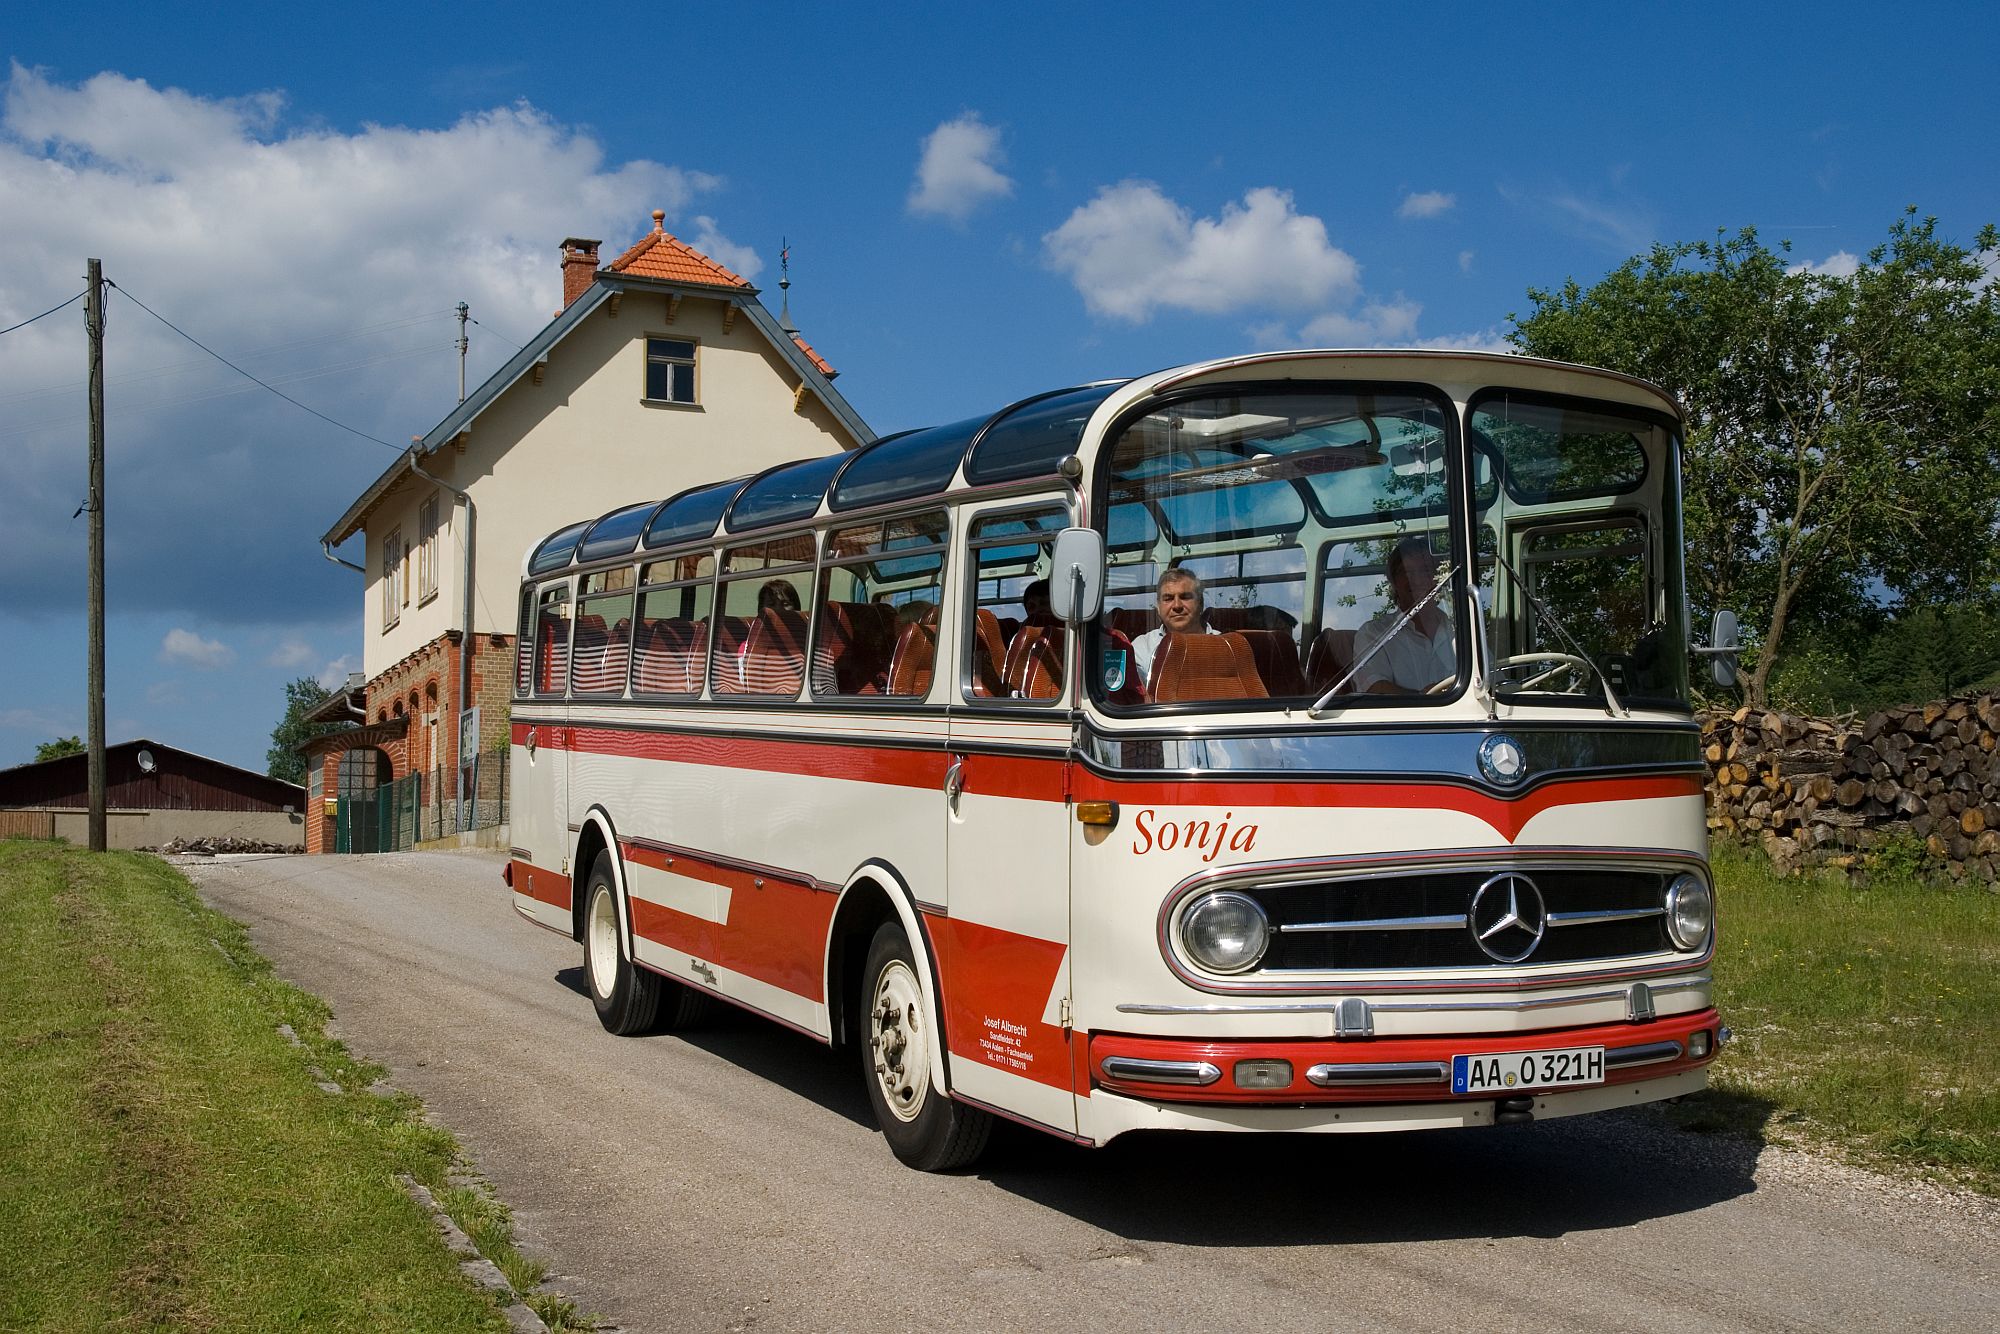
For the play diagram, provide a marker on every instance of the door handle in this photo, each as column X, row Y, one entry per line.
column 954, row 780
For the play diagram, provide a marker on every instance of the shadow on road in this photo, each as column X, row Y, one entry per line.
column 1547, row 1180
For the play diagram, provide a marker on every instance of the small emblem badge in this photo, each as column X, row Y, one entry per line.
column 1114, row 669
column 1502, row 760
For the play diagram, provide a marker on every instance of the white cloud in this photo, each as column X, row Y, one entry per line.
column 1375, row 324
column 1617, row 225
column 334, row 675
column 324, row 261
column 1840, row 264
column 290, row 654
column 1465, row 261
column 1428, row 204
column 1132, row 250
column 185, row 648
column 959, row 170
column 716, row 246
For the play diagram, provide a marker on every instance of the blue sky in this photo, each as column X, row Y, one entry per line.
column 982, row 202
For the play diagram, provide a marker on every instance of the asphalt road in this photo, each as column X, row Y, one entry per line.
column 731, row 1179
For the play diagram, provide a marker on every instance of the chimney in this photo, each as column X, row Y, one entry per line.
column 579, row 267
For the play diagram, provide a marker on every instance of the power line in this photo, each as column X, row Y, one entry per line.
column 45, row 314
column 247, row 375
column 518, row 347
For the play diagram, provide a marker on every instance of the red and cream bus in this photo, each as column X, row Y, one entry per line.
column 1294, row 742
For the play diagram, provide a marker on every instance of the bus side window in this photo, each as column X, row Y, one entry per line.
column 552, row 616
column 1015, row 649
column 760, row 642
column 670, row 633
column 601, row 650
column 875, row 628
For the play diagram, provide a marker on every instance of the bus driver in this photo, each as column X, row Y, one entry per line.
column 1181, row 613
column 1422, row 652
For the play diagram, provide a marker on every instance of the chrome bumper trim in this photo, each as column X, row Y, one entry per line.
column 1388, row 1072
column 1653, row 1053
column 1197, row 1073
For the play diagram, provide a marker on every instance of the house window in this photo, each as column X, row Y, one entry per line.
column 669, row 370
column 427, row 550
column 392, row 578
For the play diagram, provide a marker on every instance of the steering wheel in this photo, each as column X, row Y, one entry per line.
column 1439, row 687
column 1560, row 662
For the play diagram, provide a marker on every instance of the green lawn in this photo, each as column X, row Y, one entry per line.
column 1868, row 1019
column 166, row 1157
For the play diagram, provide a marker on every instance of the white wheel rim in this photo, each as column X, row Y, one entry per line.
column 603, row 942
column 899, row 1041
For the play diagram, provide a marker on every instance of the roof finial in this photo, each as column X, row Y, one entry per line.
column 659, row 219
column 785, row 287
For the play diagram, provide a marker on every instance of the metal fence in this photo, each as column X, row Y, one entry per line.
column 426, row 806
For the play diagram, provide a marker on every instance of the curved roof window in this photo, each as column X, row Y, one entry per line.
column 789, row 491
column 1032, row 439
column 554, row 553
column 617, row 533
column 692, row 514
column 917, row 463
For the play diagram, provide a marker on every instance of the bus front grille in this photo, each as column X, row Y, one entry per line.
column 1425, row 920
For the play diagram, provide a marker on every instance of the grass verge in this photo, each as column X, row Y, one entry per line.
column 1865, row 1019
column 168, row 1159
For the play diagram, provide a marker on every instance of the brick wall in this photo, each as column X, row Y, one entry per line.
column 425, row 684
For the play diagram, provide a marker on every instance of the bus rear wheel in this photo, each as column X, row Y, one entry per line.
column 925, row 1128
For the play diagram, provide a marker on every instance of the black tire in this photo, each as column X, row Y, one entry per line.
column 925, row 1127
column 627, row 997
column 630, row 1000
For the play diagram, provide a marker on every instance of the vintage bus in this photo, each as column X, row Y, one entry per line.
column 1293, row 742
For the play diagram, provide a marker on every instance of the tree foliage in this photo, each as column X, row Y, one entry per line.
column 1843, row 441
column 301, row 698
column 61, row 746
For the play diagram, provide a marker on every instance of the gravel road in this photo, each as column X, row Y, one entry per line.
column 730, row 1179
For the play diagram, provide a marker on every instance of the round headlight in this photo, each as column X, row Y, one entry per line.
column 1225, row 933
column 1690, row 912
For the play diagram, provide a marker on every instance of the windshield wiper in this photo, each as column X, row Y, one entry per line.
column 1443, row 582
column 1548, row 619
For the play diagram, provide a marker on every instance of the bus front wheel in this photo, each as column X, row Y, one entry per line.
column 925, row 1128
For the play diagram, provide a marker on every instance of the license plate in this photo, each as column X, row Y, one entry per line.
column 1525, row 1071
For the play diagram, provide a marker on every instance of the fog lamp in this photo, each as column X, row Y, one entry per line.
column 1698, row 1045
column 1263, row 1074
column 1225, row 932
column 1690, row 912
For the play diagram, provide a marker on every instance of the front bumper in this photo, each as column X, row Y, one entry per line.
column 1380, row 1070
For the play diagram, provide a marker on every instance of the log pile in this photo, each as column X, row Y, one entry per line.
column 209, row 847
column 1923, row 779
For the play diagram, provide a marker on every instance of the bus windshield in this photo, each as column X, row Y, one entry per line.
column 1281, row 544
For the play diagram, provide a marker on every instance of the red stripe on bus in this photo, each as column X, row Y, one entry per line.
column 541, row 884
column 777, row 924
column 996, row 984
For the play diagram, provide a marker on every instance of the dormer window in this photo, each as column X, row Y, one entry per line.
column 670, row 370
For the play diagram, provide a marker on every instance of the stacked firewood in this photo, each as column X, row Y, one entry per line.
column 1922, row 781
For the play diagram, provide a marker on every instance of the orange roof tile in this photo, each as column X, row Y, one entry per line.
column 814, row 357
column 660, row 254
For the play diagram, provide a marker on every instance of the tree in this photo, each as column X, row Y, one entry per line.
column 61, row 746
column 1843, row 433
column 301, row 698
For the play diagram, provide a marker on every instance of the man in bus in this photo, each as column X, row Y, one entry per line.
column 1182, row 612
column 1423, row 651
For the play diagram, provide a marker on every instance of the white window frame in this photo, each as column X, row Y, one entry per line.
column 693, row 363
column 427, row 549
column 392, row 579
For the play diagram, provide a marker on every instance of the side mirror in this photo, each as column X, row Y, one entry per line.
column 1076, row 575
column 1723, row 643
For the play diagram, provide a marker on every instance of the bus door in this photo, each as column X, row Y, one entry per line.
column 541, row 757
column 1005, row 964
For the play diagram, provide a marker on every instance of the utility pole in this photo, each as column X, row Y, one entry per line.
column 464, row 313
column 93, row 320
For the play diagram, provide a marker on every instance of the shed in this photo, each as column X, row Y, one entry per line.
column 153, row 793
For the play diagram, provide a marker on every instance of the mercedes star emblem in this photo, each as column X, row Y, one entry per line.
column 1502, row 760
column 1507, row 917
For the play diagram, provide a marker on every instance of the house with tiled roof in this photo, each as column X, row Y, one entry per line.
column 662, row 370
